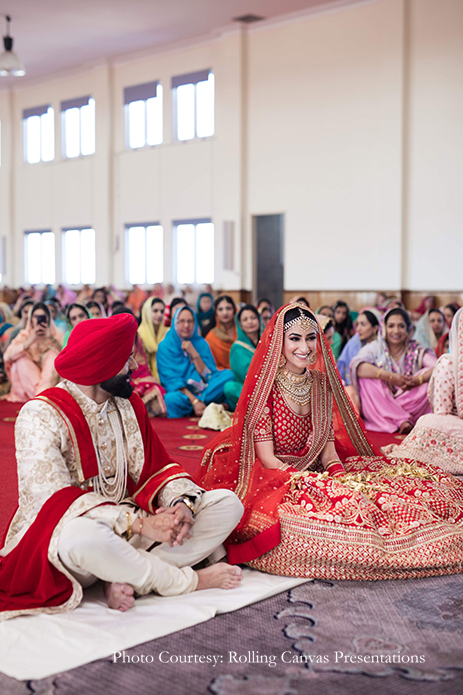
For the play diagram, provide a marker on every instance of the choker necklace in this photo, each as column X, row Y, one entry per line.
column 298, row 387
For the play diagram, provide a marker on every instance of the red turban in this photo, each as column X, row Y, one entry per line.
column 97, row 349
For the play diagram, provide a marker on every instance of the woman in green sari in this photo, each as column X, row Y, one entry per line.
column 249, row 329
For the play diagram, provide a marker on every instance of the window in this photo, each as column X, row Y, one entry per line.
column 39, row 256
column 143, row 115
column 79, row 256
column 194, row 251
column 39, row 134
column 145, row 250
column 193, row 97
column 78, row 127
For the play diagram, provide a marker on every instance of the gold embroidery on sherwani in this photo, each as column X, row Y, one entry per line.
column 72, row 434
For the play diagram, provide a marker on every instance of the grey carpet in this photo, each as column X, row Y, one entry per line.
column 413, row 628
column 316, row 619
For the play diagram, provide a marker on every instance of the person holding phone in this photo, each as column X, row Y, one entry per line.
column 30, row 358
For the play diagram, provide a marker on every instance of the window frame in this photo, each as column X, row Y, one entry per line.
column 30, row 113
column 190, row 78
column 195, row 222
column 142, row 92
column 78, row 103
column 27, row 279
column 80, row 229
column 145, row 225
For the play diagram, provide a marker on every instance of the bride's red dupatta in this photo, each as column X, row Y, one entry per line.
column 230, row 461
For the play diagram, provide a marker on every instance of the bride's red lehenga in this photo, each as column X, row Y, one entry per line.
column 385, row 519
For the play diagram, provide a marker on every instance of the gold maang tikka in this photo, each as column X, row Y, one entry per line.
column 303, row 321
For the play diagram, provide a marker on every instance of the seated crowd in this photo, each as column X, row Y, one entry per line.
column 189, row 358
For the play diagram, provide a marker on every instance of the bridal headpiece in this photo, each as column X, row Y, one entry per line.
column 303, row 322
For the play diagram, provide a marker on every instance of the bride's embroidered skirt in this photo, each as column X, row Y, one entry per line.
column 386, row 519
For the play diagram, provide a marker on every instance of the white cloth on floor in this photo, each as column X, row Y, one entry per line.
column 38, row 646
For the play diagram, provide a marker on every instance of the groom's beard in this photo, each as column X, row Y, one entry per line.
column 119, row 385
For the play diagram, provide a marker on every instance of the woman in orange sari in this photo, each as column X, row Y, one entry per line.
column 222, row 333
column 320, row 500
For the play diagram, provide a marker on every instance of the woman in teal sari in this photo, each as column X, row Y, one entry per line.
column 249, row 329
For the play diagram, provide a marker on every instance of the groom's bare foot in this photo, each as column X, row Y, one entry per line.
column 119, row 596
column 219, row 576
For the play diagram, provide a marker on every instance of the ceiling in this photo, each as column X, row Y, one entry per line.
column 52, row 36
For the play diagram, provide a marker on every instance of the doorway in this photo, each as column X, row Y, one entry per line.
column 268, row 257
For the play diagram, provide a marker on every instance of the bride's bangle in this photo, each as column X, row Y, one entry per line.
column 335, row 468
column 420, row 379
column 379, row 373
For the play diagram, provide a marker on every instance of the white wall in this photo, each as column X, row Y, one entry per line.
column 349, row 122
column 6, row 225
column 325, row 144
column 434, row 225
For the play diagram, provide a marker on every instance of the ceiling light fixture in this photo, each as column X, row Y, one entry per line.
column 10, row 64
column 248, row 18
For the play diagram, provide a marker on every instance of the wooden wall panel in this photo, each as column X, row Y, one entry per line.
column 355, row 300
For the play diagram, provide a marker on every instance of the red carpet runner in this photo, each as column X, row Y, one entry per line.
column 183, row 439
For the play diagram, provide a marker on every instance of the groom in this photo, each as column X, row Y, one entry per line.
column 99, row 497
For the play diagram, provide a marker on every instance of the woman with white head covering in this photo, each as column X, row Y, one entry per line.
column 430, row 328
column 438, row 437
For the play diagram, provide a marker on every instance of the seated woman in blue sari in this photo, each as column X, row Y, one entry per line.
column 249, row 329
column 187, row 369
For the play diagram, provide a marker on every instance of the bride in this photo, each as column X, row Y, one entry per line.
column 320, row 500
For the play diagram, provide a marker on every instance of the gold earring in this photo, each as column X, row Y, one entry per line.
column 313, row 358
column 282, row 361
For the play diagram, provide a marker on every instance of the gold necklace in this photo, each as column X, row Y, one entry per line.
column 298, row 387
column 397, row 354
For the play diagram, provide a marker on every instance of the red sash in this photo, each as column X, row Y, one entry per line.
column 27, row 578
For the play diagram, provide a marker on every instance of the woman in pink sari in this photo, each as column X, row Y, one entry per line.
column 437, row 438
column 30, row 358
column 391, row 376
